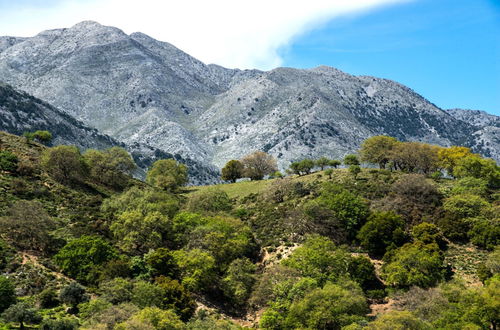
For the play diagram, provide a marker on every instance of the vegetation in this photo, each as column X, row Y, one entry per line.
column 412, row 244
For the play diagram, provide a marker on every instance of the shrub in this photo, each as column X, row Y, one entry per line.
column 64, row 164
column 211, row 200
column 167, row 174
column 8, row 161
column 7, row 293
column 80, row 256
column 485, row 233
column 382, row 230
column 238, row 281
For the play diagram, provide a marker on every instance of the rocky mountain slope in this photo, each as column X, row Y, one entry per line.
column 21, row 112
column 140, row 90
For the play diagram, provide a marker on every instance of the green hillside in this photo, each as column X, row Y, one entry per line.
column 413, row 245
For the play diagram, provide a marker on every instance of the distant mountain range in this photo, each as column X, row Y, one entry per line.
column 142, row 91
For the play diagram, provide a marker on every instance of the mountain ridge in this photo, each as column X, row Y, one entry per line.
column 141, row 90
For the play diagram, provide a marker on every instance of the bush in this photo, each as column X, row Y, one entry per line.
column 414, row 264
column 330, row 307
column 238, row 281
column 60, row 324
column 485, row 233
column 428, row 233
column 7, row 293
column 48, row 298
column 65, row 164
column 176, row 297
column 111, row 167
column 382, row 230
column 167, row 174
column 210, row 200
column 466, row 205
column 80, row 256
column 8, row 161
column 73, row 294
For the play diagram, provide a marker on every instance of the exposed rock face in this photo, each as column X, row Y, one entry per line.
column 21, row 112
column 140, row 90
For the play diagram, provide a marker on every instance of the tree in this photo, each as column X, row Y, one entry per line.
column 302, row 167
column 162, row 262
column 110, row 167
column 167, row 174
column 27, row 226
column 334, row 163
column 153, row 318
column 232, row 171
column 428, row 233
column 414, row 264
column 197, row 269
column 82, row 255
column 319, row 259
column 8, row 161
column 21, row 313
column 330, row 307
column 64, row 164
column 64, row 323
column 382, row 230
column 485, row 233
column 7, row 293
column 210, row 200
column 466, row 205
column 415, row 157
column 354, row 170
column 176, row 297
column 479, row 168
column 73, row 294
column 322, row 163
column 351, row 160
column 377, row 150
column 238, row 281
column 448, row 157
column 137, row 232
column 398, row 320
column 258, row 164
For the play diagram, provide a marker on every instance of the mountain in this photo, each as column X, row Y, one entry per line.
column 21, row 112
column 140, row 90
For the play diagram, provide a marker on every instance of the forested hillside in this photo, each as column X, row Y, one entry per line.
column 401, row 235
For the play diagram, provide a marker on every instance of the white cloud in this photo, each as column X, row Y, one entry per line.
column 232, row 33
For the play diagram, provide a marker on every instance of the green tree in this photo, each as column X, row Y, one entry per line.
column 319, row 259
column 155, row 317
column 377, row 150
column 330, row 307
column 351, row 160
column 137, row 232
column 465, row 206
column 210, row 200
column 21, row 313
column 238, row 281
column 258, row 164
column 382, row 230
column 110, row 167
column 232, row 171
column 334, row 163
column 448, row 157
column 73, row 294
column 167, row 174
column 428, row 233
column 480, row 168
column 354, row 170
column 485, row 233
column 161, row 262
column 7, row 293
column 322, row 163
column 398, row 320
column 414, row 264
column 82, row 255
column 145, row 294
column 176, row 297
column 302, row 167
column 117, row 290
column 197, row 269
column 64, row 323
column 42, row 136
column 64, row 164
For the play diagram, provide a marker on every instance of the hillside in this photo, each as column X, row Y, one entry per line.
column 21, row 112
column 140, row 90
column 341, row 248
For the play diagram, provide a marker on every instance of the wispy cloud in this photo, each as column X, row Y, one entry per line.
column 244, row 34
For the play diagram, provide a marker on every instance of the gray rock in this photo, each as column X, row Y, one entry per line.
column 140, row 90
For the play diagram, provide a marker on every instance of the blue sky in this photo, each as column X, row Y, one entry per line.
column 446, row 50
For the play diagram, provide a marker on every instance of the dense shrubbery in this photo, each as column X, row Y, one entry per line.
column 84, row 245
